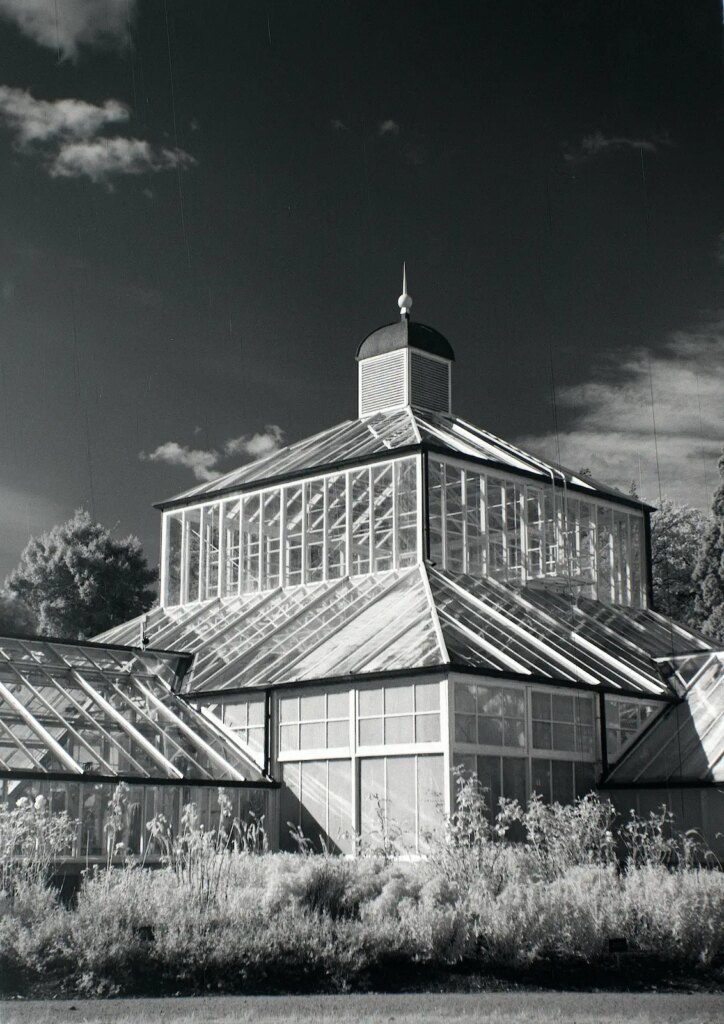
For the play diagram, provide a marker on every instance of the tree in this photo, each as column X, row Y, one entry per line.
column 80, row 581
column 15, row 616
column 709, row 571
column 676, row 533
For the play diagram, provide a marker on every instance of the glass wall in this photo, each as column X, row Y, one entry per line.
column 484, row 524
column 624, row 721
column 522, row 738
column 363, row 761
column 88, row 806
column 347, row 523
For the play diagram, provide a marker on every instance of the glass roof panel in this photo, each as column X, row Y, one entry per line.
column 80, row 709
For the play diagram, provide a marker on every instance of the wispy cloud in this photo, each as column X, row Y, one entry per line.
column 388, row 127
column 65, row 134
column 64, row 25
column 198, row 460
column 270, row 440
column 611, row 419
column 598, row 144
column 102, row 159
column 35, row 120
column 203, row 462
column 338, row 126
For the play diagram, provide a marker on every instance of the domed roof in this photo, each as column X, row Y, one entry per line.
column 405, row 333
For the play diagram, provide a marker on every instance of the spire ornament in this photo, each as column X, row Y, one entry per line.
column 405, row 300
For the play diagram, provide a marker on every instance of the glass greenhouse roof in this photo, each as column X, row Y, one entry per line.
column 686, row 742
column 412, row 619
column 382, row 433
column 77, row 710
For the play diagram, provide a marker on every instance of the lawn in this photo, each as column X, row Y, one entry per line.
column 492, row 1008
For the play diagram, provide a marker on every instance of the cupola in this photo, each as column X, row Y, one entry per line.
column 404, row 363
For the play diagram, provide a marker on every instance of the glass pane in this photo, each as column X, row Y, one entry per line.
column 515, row 784
column 585, row 778
column 562, row 708
column 312, row 735
column 406, row 511
column 314, row 498
column 372, row 793
column 382, row 517
column 427, row 696
column 289, row 737
column 465, row 698
column 399, row 730
column 562, row 782
column 361, row 535
column 370, row 732
column 542, row 735
column 336, row 526
column 490, row 731
column 514, row 703
column 173, row 557
column 289, row 709
column 563, row 737
column 465, row 729
column 430, row 798
column 293, row 535
column 250, row 542
column 338, row 704
column 271, row 539
column 232, row 547
column 340, row 805
column 541, row 778
column 475, row 523
column 314, row 801
column 338, row 734
column 490, row 700
column 192, row 552
column 513, row 732
column 427, row 728
column 401, row 797
column 398, row 699
column 370, row 701
column 435, row 470
column 311, row 706
column 210, row 552
column 489, row 778
column 454, row 518
column 541, row 703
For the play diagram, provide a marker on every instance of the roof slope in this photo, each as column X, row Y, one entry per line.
column 392, row 432
column 79, row 710
column 686, row 742
column 414, row 619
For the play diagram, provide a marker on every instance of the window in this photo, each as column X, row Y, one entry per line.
column 317, row 797
column 403, row 714
column 210, row 552
column 498, row 776
column 246, row 719
column 561, row 781
column 314, row 721
column 489, row 716
column 402, row 796
column 231, row 528
column 624, row 721
column 562, row 722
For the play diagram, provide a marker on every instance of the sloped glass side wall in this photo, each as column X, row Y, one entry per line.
column 486, row 524
column 348, row 523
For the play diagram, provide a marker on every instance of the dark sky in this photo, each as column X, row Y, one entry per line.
column 550, row 171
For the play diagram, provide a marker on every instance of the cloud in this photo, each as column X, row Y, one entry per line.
column 45, row 120
column 99, row 159
column 338, row 126
column 597, row 144
column 64, row 25
column 203, row 462
column 198, row 460
column 257, row 445
column 65, row 133
column 611, row 421
column 388, row 127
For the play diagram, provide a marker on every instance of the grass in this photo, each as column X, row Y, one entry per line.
column 492, row 1008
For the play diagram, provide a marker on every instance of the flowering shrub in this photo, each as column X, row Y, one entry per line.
column 31, row 841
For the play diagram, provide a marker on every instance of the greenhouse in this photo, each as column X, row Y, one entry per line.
column 345, row 621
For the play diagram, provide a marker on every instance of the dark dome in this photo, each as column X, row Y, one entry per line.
column 405, row 334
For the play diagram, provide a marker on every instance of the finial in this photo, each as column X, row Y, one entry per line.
column 404, row 301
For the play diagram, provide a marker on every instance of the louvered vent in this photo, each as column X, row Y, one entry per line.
column 382, row 382
column 429, row 383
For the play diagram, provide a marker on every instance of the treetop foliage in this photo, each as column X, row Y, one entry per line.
column 676, row 536
column 78, row 580
column 709, row 571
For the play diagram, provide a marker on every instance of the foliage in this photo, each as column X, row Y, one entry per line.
column 15, row 616
column 78, row 580
column 31, row 841
column 676, row 535
column 217, row 916
column 709, row 571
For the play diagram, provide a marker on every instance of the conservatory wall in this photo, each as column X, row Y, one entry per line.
column 88, row 804
column 696, row 809
column 347, row 523
column 362, row 764
column 486, row 523
column 521, row 738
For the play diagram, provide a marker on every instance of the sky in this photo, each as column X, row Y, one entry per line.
column 205, row 208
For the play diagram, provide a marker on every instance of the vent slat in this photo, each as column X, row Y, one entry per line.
column 429, row 383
